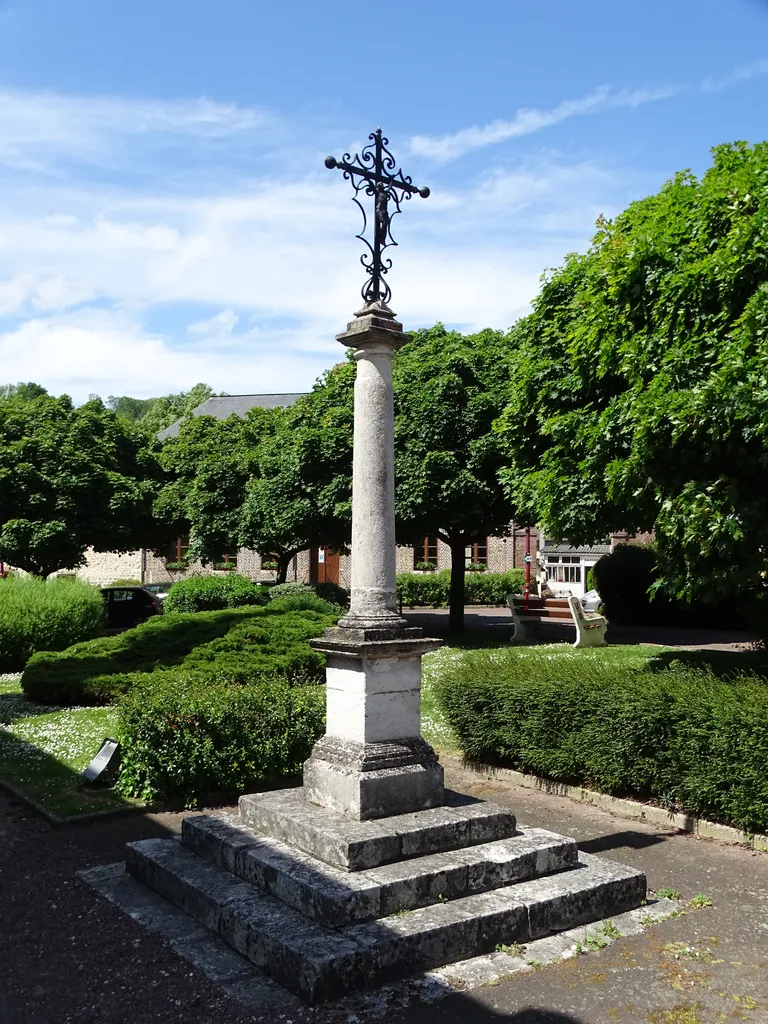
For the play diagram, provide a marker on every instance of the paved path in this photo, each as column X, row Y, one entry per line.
column 67, row 956
column 498, row 621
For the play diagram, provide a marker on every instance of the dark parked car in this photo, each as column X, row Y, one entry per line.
column 128, row 606
column 160, row 590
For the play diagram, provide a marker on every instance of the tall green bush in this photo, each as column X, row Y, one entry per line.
column 211, row 593
column 185, row 741
column 679, row 735
column 432, row 589
column 36, row 615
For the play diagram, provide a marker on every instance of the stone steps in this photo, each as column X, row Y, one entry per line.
column 337, row 898
column 319, row 962
column 358, row 845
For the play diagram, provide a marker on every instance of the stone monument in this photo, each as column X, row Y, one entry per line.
column 372, row 871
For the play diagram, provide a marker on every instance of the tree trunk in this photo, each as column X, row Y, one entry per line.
column 456, row 598
column 283, row 561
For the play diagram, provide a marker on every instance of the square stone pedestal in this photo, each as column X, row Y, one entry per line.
column 372, row 761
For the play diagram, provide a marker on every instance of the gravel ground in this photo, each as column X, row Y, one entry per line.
column 67, row 955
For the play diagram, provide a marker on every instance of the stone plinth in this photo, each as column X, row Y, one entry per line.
column 326, row 905
column 372, row 761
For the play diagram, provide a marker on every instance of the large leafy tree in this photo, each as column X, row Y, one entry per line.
column 300, row 497
column 640, row 382
column 276, row 481
column 72, row 478
column 449, row 388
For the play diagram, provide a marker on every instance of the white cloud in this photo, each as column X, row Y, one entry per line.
column 222, row 323
column 38, row 129
column 754, row 70
column 526, row 121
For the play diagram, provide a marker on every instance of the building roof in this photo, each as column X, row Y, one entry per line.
column 553, row 547
column 229, row 405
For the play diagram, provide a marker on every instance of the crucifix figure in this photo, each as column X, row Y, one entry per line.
column 373, row 173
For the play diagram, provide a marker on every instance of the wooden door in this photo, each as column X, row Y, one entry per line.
column 327, row 566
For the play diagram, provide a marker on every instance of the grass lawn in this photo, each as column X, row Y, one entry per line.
column 44, row 749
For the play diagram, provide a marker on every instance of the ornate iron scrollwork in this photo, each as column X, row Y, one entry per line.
column 373, row 173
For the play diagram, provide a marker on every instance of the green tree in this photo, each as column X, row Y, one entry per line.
column 131, row 409
column 26, row 392
column 300, row 497
column 449, row 389
column 166, row 410
column 71, row 479
column 276, row 480
column 639, row 383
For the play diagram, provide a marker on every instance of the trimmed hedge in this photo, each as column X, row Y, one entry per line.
column 676, row 734
column 432, row 589
column 211, row 593
column 36, row 615
column 236, row 645
column 327, row 591
column 184, row 740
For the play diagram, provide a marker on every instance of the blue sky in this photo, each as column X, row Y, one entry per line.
column 165, row 215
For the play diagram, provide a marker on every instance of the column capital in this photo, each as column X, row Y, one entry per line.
column 374, row 324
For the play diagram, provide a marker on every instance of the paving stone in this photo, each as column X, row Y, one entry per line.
column 439, row 934
column 586, row 893
column 319, row 891
column 343, row 842
column 356, row 845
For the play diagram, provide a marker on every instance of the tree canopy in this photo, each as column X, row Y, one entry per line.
column 449, row 389
column 639, row 383
column 71, row 479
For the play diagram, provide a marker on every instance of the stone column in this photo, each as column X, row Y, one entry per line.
column 375, row 335
column 372, row 761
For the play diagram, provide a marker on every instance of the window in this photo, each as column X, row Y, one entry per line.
column 177, row 552
column 476, row 553
column 229, row 558
column 563, row 573
column 426, row 551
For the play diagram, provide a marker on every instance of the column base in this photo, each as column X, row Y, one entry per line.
column 373, row 780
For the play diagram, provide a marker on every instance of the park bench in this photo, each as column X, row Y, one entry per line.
column 527, row 616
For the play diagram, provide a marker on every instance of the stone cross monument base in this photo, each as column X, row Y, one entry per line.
column 373, row 762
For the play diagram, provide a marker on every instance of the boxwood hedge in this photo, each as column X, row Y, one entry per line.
column 432, row 589
column 675, row 733
column 235, row 645
column 185, row 740
column 36, row 615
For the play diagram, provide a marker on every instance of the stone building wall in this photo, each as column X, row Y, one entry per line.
column 104, row 567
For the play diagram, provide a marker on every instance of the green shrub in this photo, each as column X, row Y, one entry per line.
column 184, row 740
column 624, row 580
column 211, row 593
column 676, row 734
column 235, row 645
column 40, row 616
column 432, row 589
column 328, row 591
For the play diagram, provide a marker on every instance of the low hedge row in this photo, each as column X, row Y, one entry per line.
column 327, row 591
column 432, row 589
column 39, row 616
column 678, row 734
column 235, row 645
column 186, row 740
column 211, row 593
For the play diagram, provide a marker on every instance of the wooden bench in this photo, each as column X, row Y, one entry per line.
column 590, row 627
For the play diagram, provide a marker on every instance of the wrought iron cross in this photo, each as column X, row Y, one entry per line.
column 373, row 173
